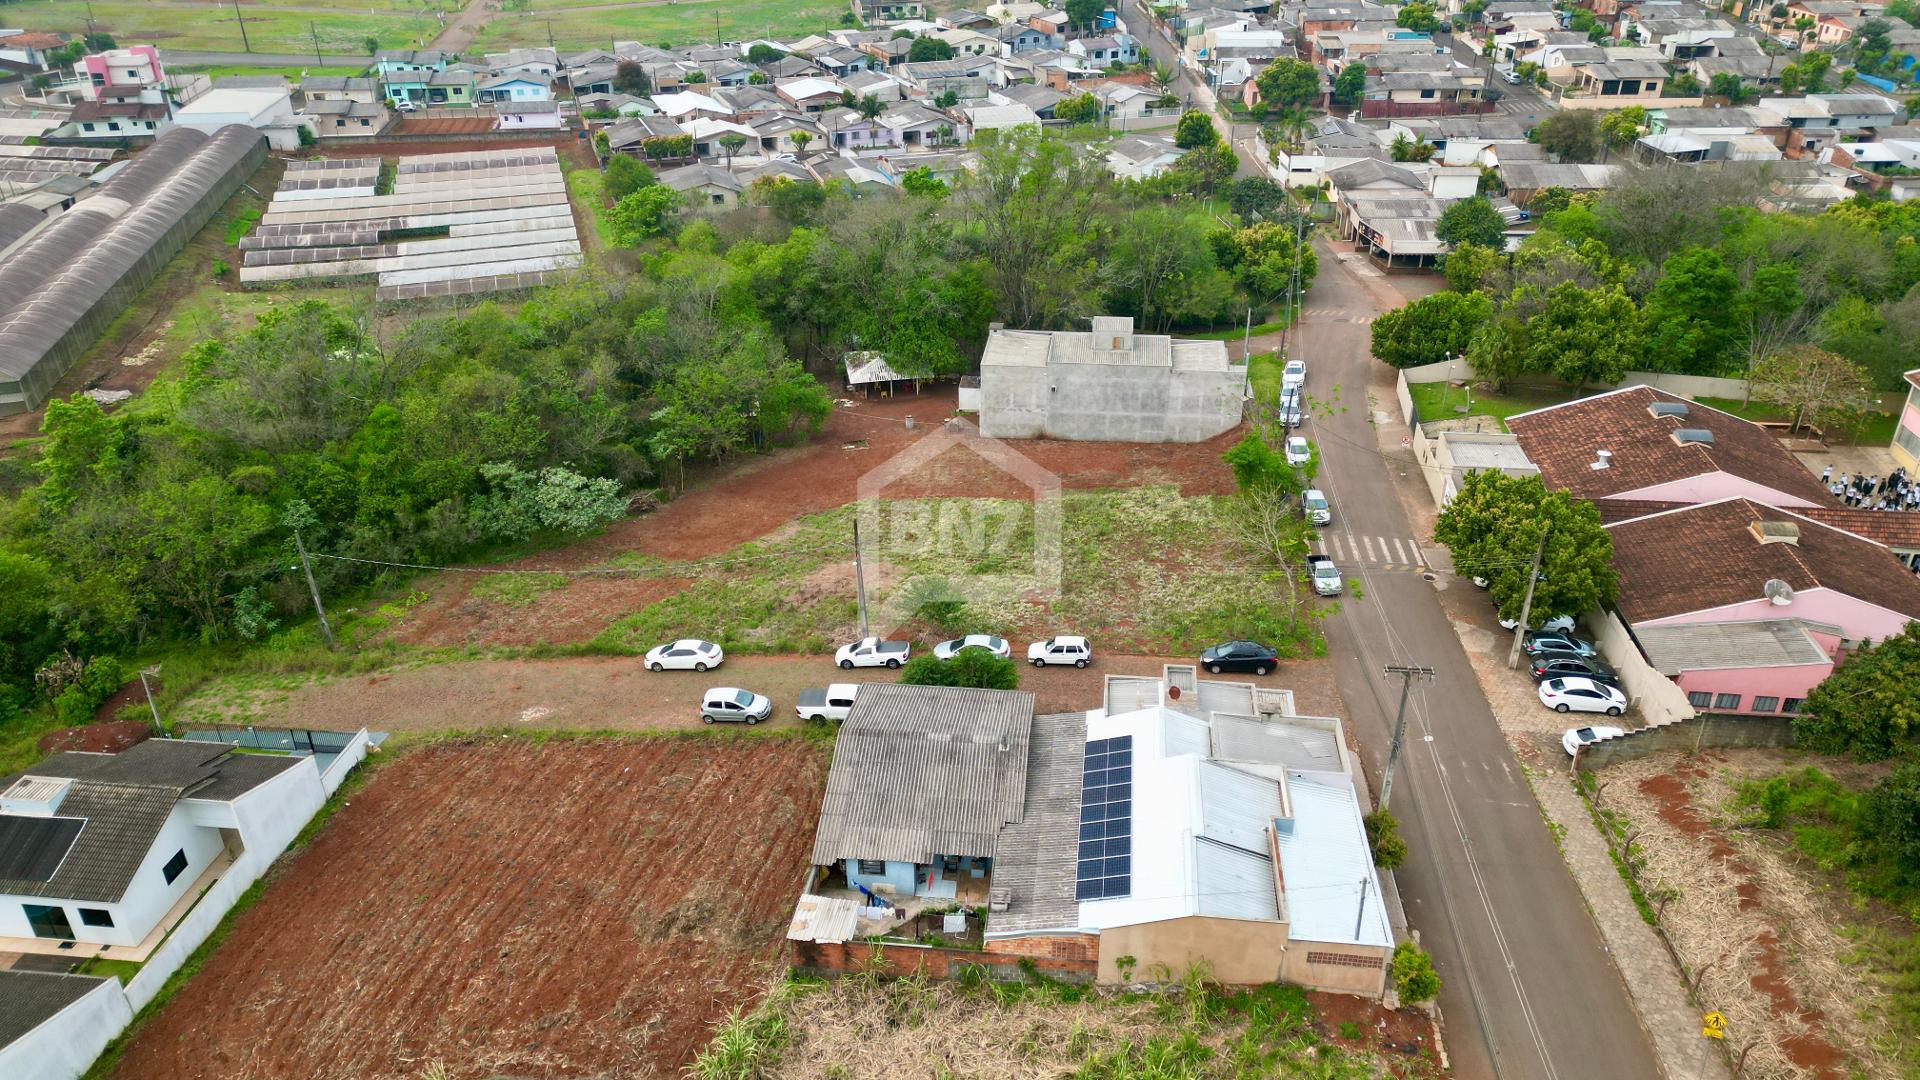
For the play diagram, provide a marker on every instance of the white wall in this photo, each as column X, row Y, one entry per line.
column 65, row 1044
column 1659, row 698
column 1457, row 370
column 148, row 895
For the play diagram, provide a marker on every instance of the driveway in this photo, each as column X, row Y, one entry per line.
column 1529, row 990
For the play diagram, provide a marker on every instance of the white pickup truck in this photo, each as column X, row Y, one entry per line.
column 832, row 703
column 873, row 652
column 1324, row 575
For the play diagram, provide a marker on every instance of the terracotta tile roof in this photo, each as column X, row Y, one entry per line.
column 32, row 41
column 1706, row 556
column 1895, row 529
column 1564, row 440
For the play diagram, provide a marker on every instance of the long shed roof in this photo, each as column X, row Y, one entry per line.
column 920, row 771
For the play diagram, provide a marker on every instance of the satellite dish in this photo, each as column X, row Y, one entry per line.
column 1779, row 592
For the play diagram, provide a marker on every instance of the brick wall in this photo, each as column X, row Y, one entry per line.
column 1701, row 731
column 1077, row 963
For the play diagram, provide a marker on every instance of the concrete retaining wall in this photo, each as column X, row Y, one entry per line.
column 1701, row 732
column 1660, row 699
column 1457, row 370
column 934, row 962
column 64, row 1045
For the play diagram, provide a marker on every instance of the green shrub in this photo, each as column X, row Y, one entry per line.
column 97, row 682
column 972, row 667
column 1383, row 835
column 1413, row 976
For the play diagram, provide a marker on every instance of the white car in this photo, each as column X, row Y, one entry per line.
column 1294, row 375
column 947, row 650
column 1314, row 504
column 1574, row 694
column 687, row 654
column 1065, row 649
column 733, row 703
column 1299, row 452
column 1575, row 738
column 1559, row 624
column 873, row 652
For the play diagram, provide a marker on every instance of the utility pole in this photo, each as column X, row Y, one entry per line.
column 1526, row 605
column 158, row 728
column 1360, row 917
column 1406, row 673
column 317, row 58
column 859, row 576
column 319, row 609
column 245, row 45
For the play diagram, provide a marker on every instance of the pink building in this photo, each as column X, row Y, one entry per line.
column 132, row 74
column 1749, row 606
column 1906, row 437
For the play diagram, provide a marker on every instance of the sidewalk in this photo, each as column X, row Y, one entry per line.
column 1653, row 980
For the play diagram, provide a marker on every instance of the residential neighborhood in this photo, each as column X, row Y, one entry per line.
column 1202, row 538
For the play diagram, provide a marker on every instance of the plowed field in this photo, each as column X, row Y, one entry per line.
column 575, row 908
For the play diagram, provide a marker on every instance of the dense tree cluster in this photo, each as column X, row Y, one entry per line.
column 1665, row 273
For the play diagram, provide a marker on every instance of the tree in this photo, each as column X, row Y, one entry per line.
column 1085, row 14
column 371, row 44
column 630, row 78
column 1501, row 351
column 925, row 49
column 1684, row 84
column 1585, row 335
column 1571, row 135
column 1405, row 149
column 1493, row 527
column 1289, row 126
column 1081, row 108
column 624, row 175
column 1414, row 979
column 1867, row 707
column 1195, row 131
column 869, row 107
column 696, row 78
column 732, row 141
column 1203, row 169
column 1621, row 127
column 1351, row 84
column 762, row 54
column 1253, row 196
column 1431, row 328
column 1036, row 209
column 947, row 99
column 1157, row 272
column 1417, row 15
column 1690, row 313
column 922, row 182
column 795, row 202
column 1472, row 221
column 641, row 214
column 1818, row 387
column 519, row 503
column 1471, row 266
column 1726, row 84
column 1269, row 258
column 1162, row 76
column 1549, row 200
column 1288, row 82
column 969, row 667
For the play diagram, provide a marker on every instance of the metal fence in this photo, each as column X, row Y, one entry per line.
column 287, row 740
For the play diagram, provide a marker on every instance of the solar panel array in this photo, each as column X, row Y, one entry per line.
column 1106, row 820
column 503, row 217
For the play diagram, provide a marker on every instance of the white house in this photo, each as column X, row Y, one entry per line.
column 512, row 88
column 1142, row 157
column 269, row 111
column 528, row 115
column 109, row 849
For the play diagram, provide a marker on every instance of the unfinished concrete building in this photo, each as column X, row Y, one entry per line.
column 1109, row 384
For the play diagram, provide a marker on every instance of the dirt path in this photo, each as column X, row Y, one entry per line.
column 459, row 33
column 596, row 693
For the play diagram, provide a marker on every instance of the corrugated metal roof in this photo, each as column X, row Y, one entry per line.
column 1324, row 858
column 828, row 920
column 1037, row 854
column 1236, row 808
column 1701, row 646
column 1233, row 883
column 920, row 771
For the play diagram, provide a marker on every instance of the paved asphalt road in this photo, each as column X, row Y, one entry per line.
column 1528, row 988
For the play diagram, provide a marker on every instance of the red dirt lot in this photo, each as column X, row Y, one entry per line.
column 508, row 907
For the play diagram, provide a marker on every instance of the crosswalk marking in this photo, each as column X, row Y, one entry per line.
column 1399, row 553
column 1367, row 541
column 1358, row 552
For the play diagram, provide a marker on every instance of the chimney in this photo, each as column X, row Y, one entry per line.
column 1603, row 460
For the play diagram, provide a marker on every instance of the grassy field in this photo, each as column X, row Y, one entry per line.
column 208, row 25
column 1142, row 570
column 1441, row 401
column 584, row 186
column 1876, row 431
column 216, row 70
column 685, row 22
column 863, row 1026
